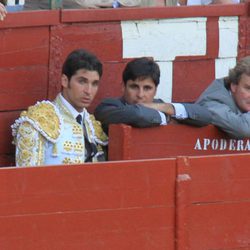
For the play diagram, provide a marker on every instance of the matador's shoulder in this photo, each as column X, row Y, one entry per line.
column 100, row 135
column 44, row 117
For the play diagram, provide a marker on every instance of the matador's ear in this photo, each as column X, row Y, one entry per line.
column 64, row 81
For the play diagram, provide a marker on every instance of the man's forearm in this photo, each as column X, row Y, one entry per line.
column 166, row 108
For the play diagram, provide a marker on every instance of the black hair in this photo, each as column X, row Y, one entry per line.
column 142, row 68
column 81, row 59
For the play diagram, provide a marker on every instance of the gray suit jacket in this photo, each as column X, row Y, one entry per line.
column 224, row 112
column 116, row 110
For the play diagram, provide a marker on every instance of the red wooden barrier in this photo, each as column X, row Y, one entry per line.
column 190, row 203
column 128, row 143
column 7, row 149
column 119, row 205
column 213, row 201
column 34, row 45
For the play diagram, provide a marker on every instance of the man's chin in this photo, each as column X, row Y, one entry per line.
column 246, row 108
column 80, row 108
column 85, row 105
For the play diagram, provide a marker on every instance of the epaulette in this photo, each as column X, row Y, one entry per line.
column 100, row 135
column 44, row 117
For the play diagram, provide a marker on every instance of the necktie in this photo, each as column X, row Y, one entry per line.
column 90, row 150
column 79, row 119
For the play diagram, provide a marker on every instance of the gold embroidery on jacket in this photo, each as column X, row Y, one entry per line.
column 98, row 129
column 28, row 150
column 41, row 150
column 45, row 116
column 25, row 144
column 77, row 161
column 66, row 160
column 77, row 130
column 79, row 147
column 68, row 146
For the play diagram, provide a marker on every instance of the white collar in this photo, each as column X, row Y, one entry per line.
column 71, row 109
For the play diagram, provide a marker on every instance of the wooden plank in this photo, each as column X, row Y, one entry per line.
column 7, row 160
column 183, row 185
column 23, row 92
column 121, row 14
column 196, row 83
column 119, row 142
column 24, row 47
column 24, row 66
column 138, row 228
column 119, row 205
column 220, row 178
column 213, row 37
column 31, row 19
column 7, row 149
column 125, row 184
column 218, row 204
column 103, row 39
column 171, row 141
column 7, row 119
column 220, row 226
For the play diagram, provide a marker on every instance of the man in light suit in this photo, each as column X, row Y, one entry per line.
column 228, row 100
column 137, row 107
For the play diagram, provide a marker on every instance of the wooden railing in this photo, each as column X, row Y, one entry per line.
column 128, row 143
column 34, row 45
column 180, row 203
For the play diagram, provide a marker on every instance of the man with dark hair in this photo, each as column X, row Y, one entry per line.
column 137, row 107
column 63, row 132
column 228, row 100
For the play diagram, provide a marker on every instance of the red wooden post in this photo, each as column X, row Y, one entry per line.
column 183, row 182
column 121, row 142
column 217, row 203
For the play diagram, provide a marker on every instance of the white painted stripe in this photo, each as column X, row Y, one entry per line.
column 228, row 37
column 164, row 39
column 223, row 65
column 164, row 90
column 13, row 2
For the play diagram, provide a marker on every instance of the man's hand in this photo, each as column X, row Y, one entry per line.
column 166, row 108
column 3, row 12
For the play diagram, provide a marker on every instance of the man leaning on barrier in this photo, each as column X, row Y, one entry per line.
column 228, row 100
column 62, row 131
column 138, row 107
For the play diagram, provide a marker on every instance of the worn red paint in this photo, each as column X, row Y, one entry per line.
column 96, row 206
column 128, row 143
column 34, row 45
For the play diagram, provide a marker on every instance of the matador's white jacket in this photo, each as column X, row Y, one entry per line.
column 48, row 134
